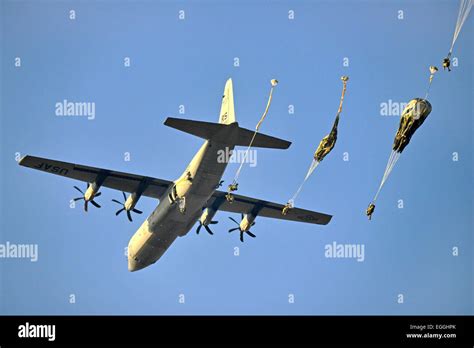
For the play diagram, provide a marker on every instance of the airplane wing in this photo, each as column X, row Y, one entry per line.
column 245, row 205
column 116, row 180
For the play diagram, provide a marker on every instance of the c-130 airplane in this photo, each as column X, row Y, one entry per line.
column 192, row 197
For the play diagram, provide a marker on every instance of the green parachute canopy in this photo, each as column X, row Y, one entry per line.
column 413, row 116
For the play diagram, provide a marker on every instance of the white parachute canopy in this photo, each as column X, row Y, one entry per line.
column 464, row 9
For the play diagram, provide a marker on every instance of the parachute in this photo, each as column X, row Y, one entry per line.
column 433, row 71
column 324, row 148
column 327, row 143
column 413, row 116
column 464, row 9
column 234, row 185
column 418, row 109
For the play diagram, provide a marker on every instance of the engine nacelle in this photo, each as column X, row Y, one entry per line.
column 91, row 191
column 247, row 222
column 207, row 216
column 132, row 201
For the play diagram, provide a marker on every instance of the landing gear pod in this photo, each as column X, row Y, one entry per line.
column 412, row 118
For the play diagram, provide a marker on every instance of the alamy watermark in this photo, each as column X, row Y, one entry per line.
column 81, row 109
column 28, row 330
column 345, row 251
column 20, row 251
column 237, row 156
column 392, row 108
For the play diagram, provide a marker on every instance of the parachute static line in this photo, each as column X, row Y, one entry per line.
column 234, row 185
column 464, row 9
column 325, row 146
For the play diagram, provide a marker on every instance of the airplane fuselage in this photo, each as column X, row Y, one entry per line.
column 196, row 185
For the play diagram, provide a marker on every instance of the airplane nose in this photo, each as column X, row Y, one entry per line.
column 134, row 265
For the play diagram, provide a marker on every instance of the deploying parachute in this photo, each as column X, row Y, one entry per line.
column 234, row 185
column 324, row 148
column 413, row 116
column 464, row 9
column 327, row 143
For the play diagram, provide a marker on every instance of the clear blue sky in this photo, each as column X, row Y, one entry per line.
column 407, row 251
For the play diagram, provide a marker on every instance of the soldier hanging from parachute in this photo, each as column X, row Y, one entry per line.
column 464, row 9
column 413, row 116
column 324, row 148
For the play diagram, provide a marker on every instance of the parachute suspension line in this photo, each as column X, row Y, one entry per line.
column 233, row 186
column 428, row 90
column 394, row 156
column 464, row 9
column 313, row 166
column 311, row 169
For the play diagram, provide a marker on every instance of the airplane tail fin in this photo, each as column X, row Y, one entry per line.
column 227, row 115
column 230, row 134
column 227, row 131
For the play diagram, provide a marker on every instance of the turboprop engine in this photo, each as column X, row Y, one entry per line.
column 206, row 220
column 246, row 222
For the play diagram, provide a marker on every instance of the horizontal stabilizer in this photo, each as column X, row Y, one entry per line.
column 201, row 129
column 226, row 133
column 261, row 140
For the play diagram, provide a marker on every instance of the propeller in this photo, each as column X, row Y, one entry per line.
column 219, row 184
column 206, row 226
column 129, row 215
column 84, row 198
column 241, row 231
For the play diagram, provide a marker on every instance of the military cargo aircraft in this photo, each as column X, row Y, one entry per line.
column 193, row 197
